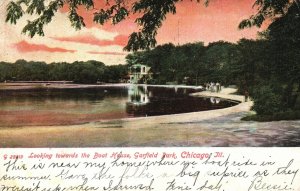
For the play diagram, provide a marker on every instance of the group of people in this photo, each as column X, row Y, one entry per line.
column 213, row 87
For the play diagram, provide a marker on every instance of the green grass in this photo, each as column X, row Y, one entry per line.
column 289, row 115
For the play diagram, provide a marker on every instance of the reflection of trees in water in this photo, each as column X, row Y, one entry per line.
column 153, row 101
column 141, row 100
column 44, row 94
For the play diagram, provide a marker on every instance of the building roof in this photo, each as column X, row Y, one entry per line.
column 138, row 65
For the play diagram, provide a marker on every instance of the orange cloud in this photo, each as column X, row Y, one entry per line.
column 120, row 40
column 107, row 53
column 25, row 47
column 125, row 27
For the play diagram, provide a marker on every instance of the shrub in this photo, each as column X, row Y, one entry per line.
column 266, row 101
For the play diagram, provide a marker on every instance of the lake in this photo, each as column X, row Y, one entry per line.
column 47, row 106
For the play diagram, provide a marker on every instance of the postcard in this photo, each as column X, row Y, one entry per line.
column 149, row 95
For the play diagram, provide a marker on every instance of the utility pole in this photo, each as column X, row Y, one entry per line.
column 178, row 33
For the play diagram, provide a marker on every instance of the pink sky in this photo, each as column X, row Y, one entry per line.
column 218, row 21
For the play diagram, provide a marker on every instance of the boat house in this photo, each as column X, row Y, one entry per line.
column 139, row 74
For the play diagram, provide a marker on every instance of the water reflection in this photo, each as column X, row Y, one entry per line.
column 138, row 95
column 215, row 100
column 75, row 106
column 151, row 101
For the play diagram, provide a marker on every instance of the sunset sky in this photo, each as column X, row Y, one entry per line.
column 218, row 21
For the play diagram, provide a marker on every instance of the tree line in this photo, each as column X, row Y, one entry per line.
column 78, row 72
column 267, row 68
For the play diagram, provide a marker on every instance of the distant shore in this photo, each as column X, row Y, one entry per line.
column 69, row 85
column 53, row 85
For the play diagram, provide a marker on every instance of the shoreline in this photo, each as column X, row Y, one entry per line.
column 61, row 85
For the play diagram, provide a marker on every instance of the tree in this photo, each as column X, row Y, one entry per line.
column 115, row 73
column 6, row 71
column 150, row 15
column 284, row 37
column 217, row 61
column 269, row 10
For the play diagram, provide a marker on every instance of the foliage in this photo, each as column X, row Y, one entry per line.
column 78, row 72
column 115, row 73
column 190, row 63
column 288, row 115
column 150, row 15
column 268, row 10
column 266, row 102
column 268, row 69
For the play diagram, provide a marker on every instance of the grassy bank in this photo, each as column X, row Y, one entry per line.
column 289, row 115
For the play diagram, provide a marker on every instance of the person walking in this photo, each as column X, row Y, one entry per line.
column 218, row 87
column 246, row 95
